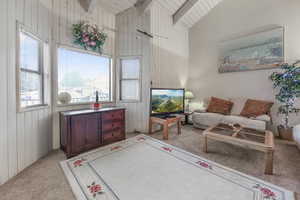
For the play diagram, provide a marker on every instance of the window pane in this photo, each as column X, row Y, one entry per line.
column 30, row 89
column 29, row 52
column 130, row 90
column 81, row 75
column 130, row 68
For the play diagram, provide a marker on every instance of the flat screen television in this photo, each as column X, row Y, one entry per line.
column 165, row 101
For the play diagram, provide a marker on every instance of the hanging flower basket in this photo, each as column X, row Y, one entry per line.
column 88, row 36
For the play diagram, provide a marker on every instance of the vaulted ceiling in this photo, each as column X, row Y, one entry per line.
column 187, row 12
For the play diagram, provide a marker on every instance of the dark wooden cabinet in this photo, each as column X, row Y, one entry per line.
column 84, row 130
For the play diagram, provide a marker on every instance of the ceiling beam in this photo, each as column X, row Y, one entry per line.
column 186, row 6
column 87, row 5
column 143, row 5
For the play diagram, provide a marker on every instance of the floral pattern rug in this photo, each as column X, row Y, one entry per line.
column 143, row 168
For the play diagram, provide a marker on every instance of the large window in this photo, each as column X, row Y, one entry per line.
column 31, row 70
column 82, row 74
column 130, row 79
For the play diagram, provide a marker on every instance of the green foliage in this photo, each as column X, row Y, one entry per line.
column 288, row 83
column 162, row 104
column 88, row 36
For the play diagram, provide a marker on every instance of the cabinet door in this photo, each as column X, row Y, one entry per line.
column 92, row 131
column 85, row 132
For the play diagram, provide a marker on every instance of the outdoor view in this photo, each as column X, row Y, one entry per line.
column 166, row 101
column 81, row 75
column 30, row 77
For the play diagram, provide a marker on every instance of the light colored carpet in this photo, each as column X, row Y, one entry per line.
column 145, row 168
column 45, row 179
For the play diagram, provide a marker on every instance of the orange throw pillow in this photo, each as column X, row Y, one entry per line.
column 254, row 108
column 221, row 106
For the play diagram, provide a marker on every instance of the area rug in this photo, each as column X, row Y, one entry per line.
column 143, row 168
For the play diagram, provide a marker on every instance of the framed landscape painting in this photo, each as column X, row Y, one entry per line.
column 264, row 50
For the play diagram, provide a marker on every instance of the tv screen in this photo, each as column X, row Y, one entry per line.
column 167, row 101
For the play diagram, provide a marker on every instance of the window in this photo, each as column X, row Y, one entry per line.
column 130, row 79
column 31, row 70
column 82, row 74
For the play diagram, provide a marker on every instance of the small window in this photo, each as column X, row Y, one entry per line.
column 31, row 70
column 81, row 74
column 130, row 79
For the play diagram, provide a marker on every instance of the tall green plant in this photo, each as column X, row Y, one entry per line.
column 288, row 83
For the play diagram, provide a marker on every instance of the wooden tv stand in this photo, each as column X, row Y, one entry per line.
column 165, row 123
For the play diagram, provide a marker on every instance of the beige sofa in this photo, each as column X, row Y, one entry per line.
column 203, row 119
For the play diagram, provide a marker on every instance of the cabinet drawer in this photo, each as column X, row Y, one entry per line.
column 113, row 136
column 113, row 115
column 110, row 126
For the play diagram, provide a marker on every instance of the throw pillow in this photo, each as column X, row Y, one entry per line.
column 238, row 105
column 254, row 108
column 221, row 106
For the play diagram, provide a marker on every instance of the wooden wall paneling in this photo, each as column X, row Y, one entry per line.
column 23, row 135
column 21, row 141
column 11, row 94
column 3, row 89
column 131, row 44
column 62, row 21
column 19, row 7
column 35, row 16
column 28, row 139
column 35, row 135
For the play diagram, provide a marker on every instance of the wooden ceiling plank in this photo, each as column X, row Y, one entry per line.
column 143, row 5
column 187, row 5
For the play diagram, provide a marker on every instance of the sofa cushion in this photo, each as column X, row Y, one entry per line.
column 221, row 106
column 197, row 107
column 254, row 108
column 244, row 122
column 265, row 118
column 207, row 119
column 238, row 105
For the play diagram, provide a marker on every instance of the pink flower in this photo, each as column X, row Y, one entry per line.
column 92, row 43
column 86, row 39
column 79, row 162
column 95, row 188
column 167, row 149
column 204, row 164
column 115, row 148
column 141, row 139
column 267, row 192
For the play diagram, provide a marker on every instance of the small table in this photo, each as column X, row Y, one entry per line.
column 244, row 137
column 165, row 123
column 186, row 118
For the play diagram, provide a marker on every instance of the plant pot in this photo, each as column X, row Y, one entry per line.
column 285, row 133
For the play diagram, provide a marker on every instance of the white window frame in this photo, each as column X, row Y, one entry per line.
column 19, row 69
column 111, row 79
column 122, row 79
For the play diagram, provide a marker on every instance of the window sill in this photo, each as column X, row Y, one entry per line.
column 82, row 104
column 33, row 108
column 130, row 101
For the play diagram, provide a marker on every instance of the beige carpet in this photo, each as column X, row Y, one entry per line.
column 145, row 168
column 45, row 179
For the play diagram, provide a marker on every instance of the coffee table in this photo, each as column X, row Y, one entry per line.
column 248, row 138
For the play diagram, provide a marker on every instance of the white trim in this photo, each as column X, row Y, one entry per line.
column 20, row 28
column 83, row 51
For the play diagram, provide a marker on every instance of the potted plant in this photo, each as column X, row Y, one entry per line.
column 288, row 83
